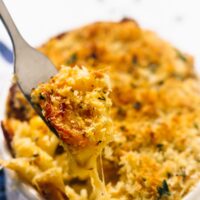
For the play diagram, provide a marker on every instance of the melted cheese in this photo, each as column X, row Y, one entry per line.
column 76, row 104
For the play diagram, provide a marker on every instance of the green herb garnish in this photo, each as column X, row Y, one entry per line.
column 163, row 190
column 160, row 147
column 72, row 59
column 153, row 67
column 41, row 96
column 137, row 105
column 196, row 126
column 181, row 56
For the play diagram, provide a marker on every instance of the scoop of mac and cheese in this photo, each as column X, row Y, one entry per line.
column 76, row 104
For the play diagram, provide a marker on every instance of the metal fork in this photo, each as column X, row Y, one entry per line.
column 30, row 66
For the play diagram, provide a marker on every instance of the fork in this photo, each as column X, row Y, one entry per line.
column 30, row 66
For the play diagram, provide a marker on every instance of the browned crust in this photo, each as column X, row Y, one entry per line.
column 66, row 136
column 16, row 113
column 18, row 108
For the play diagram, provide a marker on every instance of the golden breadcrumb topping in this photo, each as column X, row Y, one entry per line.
column 76, row 104
column 155, row 112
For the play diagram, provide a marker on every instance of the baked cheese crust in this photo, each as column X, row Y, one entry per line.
column 155, row 93
column 76, row 103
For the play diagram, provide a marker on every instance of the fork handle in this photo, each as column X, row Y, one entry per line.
column 13, row 32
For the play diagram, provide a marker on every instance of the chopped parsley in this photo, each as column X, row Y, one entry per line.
column 160, row 147
column 153, row 67
column 196, row 126
column 41, row 96
column 72, row 59
column 163, row 190
column 137, row 105
column 181, row 56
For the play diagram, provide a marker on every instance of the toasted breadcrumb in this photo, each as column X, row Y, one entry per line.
column 156, row 104
column 76, row 103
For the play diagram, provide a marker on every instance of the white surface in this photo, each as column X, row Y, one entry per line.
column 5, row 78
column 175, row 20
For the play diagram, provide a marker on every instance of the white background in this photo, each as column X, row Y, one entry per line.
column 177, row 21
